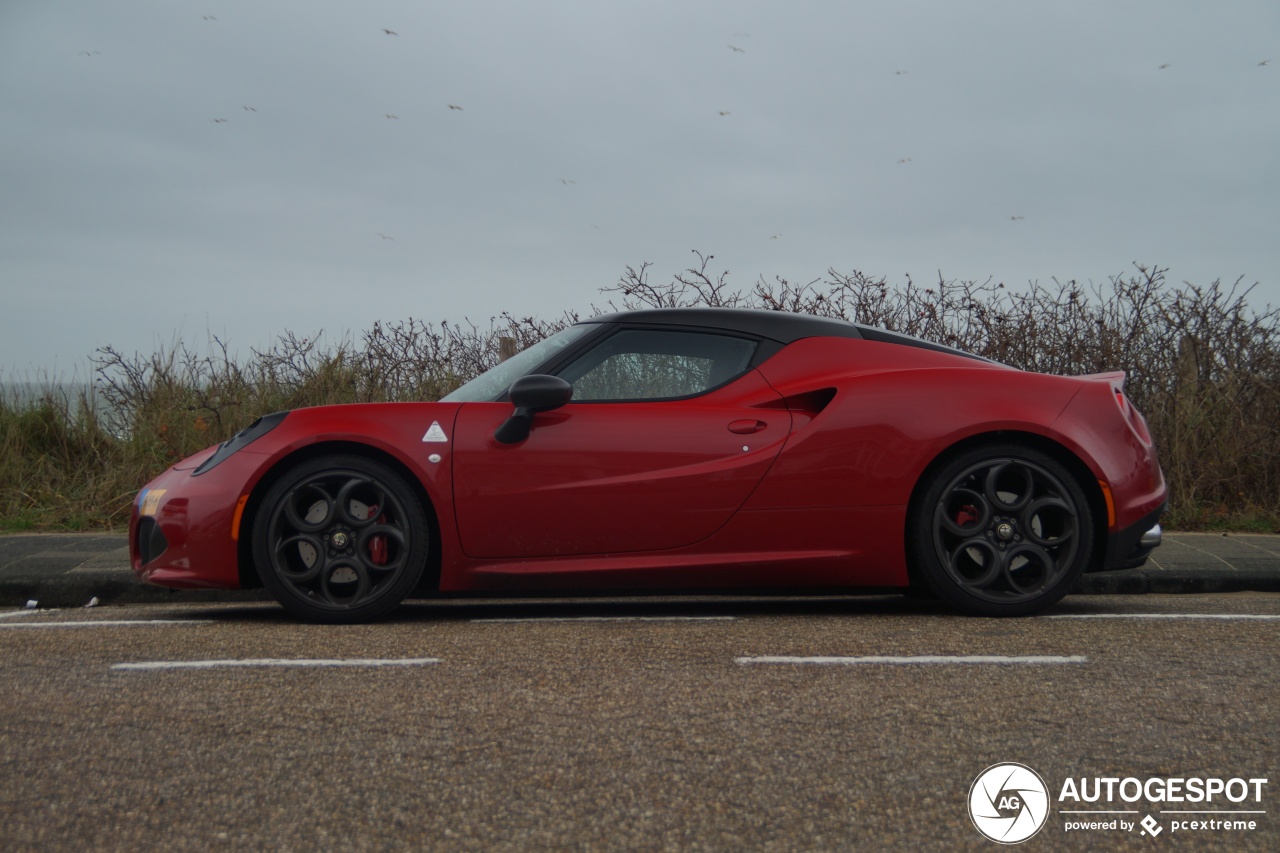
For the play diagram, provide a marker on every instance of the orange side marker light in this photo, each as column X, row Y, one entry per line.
column 243, row 500
column 1111, row 504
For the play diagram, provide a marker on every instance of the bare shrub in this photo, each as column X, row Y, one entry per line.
column 1202, row 365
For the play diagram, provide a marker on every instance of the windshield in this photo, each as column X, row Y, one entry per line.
column 495, row 381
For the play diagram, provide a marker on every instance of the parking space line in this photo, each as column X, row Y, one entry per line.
column 1227, row 617
column 915, row 659
column 612, row 619
column 273, row 662
column 25, row 612
column 108, row 623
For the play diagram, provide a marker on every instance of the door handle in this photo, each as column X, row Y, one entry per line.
column 747, row 426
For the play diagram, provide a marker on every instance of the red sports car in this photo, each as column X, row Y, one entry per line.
column 676, row 450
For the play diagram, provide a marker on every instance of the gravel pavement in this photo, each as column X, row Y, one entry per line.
column 787, row 726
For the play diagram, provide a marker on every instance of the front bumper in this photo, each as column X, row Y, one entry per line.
column 182, row 532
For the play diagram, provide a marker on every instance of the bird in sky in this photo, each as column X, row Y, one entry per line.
column 567, row 181
column 383, row 236
column 904, row 160
column 251, row 109
column 392, row 115
column 1163, row 67
column 736, row 49
column 454, row 107
column 390, row 32
column 91, row 53
column 725, row 113
column 900, row 72
column 1264, row 62
column 1016, row 218
column 209, row 17
column 219, row 121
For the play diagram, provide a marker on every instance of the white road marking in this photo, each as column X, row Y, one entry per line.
column 12, row 613
column 109, row 623
column 273, row 662
column 1244, row 617
column 613, row 619
column 917, row 659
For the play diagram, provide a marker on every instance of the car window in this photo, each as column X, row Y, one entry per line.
column 488, row 385
column 650, row 364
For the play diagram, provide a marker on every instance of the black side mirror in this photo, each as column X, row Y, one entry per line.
column 530, row 395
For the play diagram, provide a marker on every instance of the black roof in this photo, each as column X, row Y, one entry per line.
column 781, row 326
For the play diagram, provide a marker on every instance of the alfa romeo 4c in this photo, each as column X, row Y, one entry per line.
column 673, row 451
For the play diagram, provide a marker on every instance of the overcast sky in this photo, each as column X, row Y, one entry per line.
column 180, row 168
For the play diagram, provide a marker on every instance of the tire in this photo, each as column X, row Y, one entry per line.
column 1000, row 530
column 340, row 539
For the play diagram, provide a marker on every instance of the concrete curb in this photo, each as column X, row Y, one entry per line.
column 1174, row 582
column 70, row 570
column 77, row 590
column 63, row 591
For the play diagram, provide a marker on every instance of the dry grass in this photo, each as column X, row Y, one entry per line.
column 1203, row 366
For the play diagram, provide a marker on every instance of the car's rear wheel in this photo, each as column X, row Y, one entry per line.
column 340, row 539
column 1001, row 530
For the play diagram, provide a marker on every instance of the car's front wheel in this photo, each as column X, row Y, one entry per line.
column 1001, row 530
column 340, row 539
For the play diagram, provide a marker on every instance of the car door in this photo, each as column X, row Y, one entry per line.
column 668, row 433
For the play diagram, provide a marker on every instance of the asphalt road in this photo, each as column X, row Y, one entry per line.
column 626, row 725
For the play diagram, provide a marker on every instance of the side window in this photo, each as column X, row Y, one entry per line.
column 643, row 364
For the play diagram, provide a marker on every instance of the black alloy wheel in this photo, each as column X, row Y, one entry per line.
column 340, row 539
column 1001, row 531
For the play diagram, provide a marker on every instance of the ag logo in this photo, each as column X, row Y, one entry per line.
column 1008, row 803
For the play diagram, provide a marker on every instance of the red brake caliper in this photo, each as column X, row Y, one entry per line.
column 378, row 543
column 966, row 516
